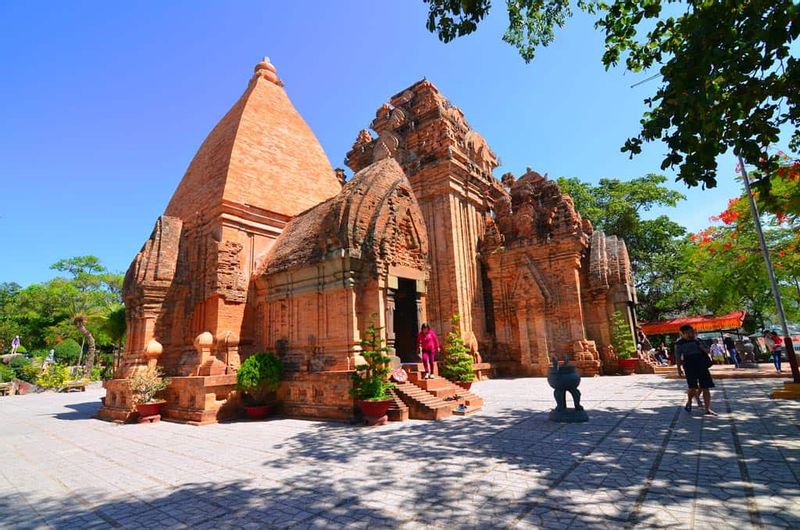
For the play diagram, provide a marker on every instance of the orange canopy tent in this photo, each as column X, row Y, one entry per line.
column 705, row 323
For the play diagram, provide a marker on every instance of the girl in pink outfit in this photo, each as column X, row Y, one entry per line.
column 428, row 346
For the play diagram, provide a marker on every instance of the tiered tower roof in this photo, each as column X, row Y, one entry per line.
column 262, row 154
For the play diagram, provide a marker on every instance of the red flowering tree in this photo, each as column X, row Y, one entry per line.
column 725, row 260
column 779, row 193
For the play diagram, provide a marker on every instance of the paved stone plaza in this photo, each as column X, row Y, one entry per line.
column 641, row 461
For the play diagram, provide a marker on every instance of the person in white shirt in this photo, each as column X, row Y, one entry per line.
column 717, row 349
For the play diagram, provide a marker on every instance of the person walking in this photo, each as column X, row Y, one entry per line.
column 428, row 346
column 14, row 344
column 775, row 344
column 642, row 340
column 730, row 345
column 717, row 350
column 694, row 363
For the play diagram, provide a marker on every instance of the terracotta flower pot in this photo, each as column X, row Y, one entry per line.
column 257, row 412
column 149, row 409
column 466, row 385
column 375, row 409
column 628, row 366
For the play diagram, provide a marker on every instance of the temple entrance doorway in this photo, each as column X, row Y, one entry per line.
column 405, row 320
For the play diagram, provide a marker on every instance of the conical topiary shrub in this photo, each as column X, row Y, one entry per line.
column 621, row 336
column 457, row 366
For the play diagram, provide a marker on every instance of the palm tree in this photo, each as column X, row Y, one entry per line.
column 90, row 295
column 115, row 326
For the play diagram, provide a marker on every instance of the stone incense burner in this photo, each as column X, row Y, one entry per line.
column 563, row 379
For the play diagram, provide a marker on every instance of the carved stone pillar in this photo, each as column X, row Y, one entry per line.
column 390, row 336
column 524, row 338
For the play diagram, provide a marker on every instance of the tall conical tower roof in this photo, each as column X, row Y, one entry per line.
column 261, row 155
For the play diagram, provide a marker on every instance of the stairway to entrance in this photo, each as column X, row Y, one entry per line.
column 434, row 399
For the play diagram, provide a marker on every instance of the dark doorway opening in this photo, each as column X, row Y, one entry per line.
column 405, row 320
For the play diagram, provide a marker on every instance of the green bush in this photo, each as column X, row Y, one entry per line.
column 19, row 362
column 67, row 352
column 106, row 366
column 622, row 337
column 6, row 373
column 371, row 380
column 21, row 349
column 260, row 376
column 29, row 373
column 457, row 364
column 25, row 369
column 54, row 377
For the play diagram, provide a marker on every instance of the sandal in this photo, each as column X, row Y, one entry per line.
column 710, row 413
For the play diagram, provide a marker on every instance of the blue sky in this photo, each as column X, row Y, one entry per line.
column 103, row 105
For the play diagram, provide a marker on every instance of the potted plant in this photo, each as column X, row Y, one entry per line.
column 457, row 366
column 627, row 363
column 371, row 380
column 622, row 340
column 258, row 379
column 145, row 386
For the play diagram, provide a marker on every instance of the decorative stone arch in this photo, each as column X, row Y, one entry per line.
column 530, row 300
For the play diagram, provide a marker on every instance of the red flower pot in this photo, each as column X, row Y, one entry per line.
column 466, row 385
column 257, row 412
column 628, row 366
column 149, row 409
column 375, row 409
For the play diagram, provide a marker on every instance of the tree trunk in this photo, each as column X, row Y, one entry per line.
column 80, row 323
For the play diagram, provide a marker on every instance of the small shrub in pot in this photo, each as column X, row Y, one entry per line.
column 258, row 379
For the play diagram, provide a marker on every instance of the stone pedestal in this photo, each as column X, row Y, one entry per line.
column 568, row 415
column 645, row 367
column 199, row 400
column 118, row 404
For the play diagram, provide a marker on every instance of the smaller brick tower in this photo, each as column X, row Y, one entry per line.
column 186, row 291
column 450, row 169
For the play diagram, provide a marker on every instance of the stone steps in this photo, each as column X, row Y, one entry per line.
column 470, row 399
column 447, row 390
column 426, row 398
column 422, row 405
column 398, row 411
column 439, row 387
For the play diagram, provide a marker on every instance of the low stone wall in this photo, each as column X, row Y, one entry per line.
column 322, row 395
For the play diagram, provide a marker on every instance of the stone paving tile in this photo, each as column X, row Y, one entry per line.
column 641, row 461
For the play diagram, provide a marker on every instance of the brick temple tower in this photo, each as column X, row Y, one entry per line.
column 187, row 289
column 264, row 247
column 450, row 169
column 528, row 276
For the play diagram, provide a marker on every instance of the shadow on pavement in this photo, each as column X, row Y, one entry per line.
column 624, row 468
column 79, row 411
